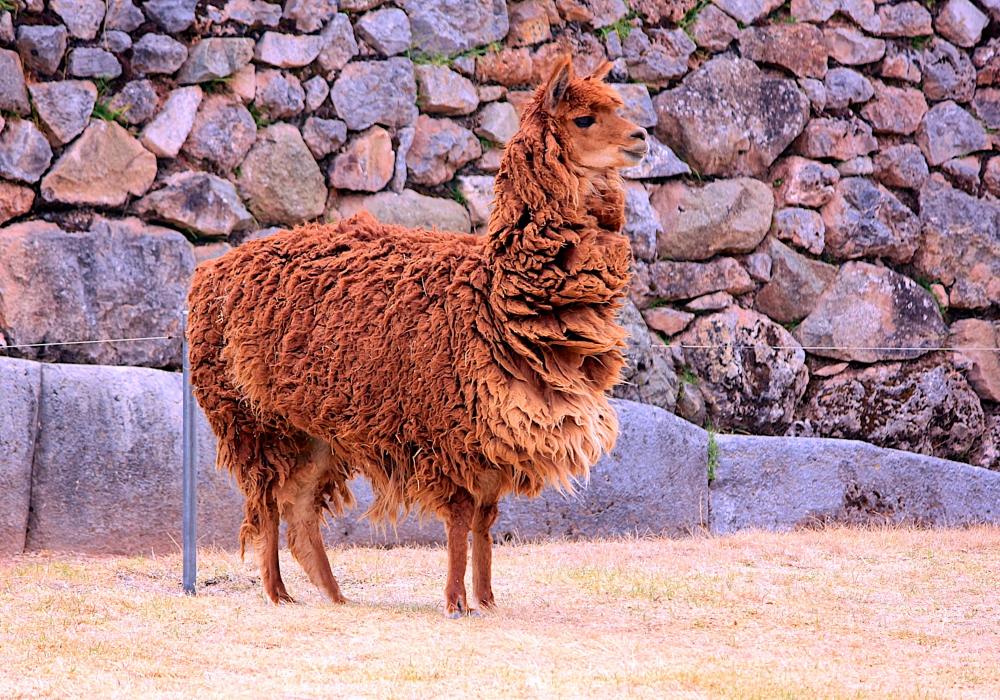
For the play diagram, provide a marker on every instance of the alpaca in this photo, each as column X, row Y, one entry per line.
column 448, row 369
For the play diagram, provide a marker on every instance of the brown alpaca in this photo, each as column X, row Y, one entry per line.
column 449, row 370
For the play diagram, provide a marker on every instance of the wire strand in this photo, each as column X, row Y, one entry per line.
column 86, row 342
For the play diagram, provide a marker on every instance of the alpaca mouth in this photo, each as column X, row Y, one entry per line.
column 637, row 153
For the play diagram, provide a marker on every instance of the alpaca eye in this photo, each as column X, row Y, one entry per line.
column 583, row 122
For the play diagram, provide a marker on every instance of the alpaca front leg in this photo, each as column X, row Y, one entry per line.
column 482, row 554
column 458, row 521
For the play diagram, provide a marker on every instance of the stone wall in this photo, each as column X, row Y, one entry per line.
column 816, row 227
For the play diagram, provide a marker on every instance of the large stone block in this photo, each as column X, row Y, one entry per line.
column 654, row 481
column 783, row 483
column 20, row 382
column 108, row 465
column 121, row 279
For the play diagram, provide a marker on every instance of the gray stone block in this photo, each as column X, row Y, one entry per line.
column 654, row 481
column 774, row 483
column 20, row 382
column 107, row 467
column 121, row 279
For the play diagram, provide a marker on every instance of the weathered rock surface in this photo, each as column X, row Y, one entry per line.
column 924, row 406
column 529, row 23
column 748, row 11
column 309, row 15
column 849, row 47
column 648, row 375
column 963, row 172
column 948, row 131
column 443, row 91
column 845, row 87
column 895, row 110
column 687, row 280
column 20, row 384
column 278, row 94
column 121, row 279
column 136, row 101
column 795, row 286
column 82, row 17
column 752, row 371
column 199, row 202
column 667, row 320
column 977, row 342
column 13, row 92
column 215, row 58
column 387, row 31
column 901, row 166
column 947, row 72
column 367, row 164
column 439, row 148
column 41, row 47
column 642, row 224
column 798, row 47
column 638, row 107
column 728, row 118
column 87, row 62
column 840, row 139
column 123, row 15
column 222, row 133
column 165, row 135
column 339, row 45
column 173, row 15
column 869, row 314
column 317, row 90
column 103, row 168
column 864, row 220
column 158, row 53
column 961, row 22
column 451, row 26
column 411, row 210
column 287, row 50
column 713, row 30
column 905, row 19
column 279, row 180
column 24, row 152
column 802, row 228
column 86, row 493
column 497, row 122
column 64, row 107
column 961, row 244
column 660, row 161
column 658, row 56
column 802, row 182
column 324, row 136
column 376, row 92
column 477, row 190
column 727, row 216
column 15, row 200
column 771, row 483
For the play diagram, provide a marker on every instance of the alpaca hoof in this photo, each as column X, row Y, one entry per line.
column 458, row 609
column 282, row 599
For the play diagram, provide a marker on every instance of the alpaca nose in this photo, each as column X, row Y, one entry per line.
column 639, row 133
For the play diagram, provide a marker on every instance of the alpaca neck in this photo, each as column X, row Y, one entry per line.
column 559, row 262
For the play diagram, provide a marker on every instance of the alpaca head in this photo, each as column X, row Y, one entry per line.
column 584, row 110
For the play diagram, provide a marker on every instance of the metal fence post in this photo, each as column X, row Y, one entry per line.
column 190, row 472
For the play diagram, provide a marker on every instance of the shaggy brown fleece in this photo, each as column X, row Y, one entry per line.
column 449, row 370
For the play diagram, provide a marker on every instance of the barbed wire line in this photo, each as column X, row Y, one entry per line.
column 87, row 342
column 684, row 346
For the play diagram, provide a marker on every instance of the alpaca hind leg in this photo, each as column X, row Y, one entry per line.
column 265, row 546
column 304, row 515
column 458, row 521
column 482, row 553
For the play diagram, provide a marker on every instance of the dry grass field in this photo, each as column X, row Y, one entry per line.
column 835, row 613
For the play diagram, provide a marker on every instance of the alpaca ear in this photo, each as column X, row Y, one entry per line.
column 557, row 85
column 600, row 73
